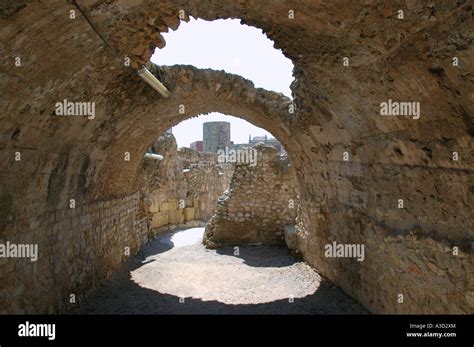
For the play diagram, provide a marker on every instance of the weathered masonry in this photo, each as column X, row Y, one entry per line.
column 260, row 203
column 182, row 189
column 401, row 186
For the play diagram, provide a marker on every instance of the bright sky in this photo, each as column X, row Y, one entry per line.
column 233, row 47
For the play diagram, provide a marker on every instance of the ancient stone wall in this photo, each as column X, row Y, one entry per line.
column 402, row 271
column 82, row 244
column 260, row 202
column 182, row 188
column 77, row 249
column 336, row 102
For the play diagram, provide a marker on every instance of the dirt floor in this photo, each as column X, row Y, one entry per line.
column 175, row 274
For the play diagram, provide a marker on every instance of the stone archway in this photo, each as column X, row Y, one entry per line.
column 193, row 92
column 348, row 201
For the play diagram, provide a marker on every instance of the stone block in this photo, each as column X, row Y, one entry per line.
column 176, row 217
column 154, row 207
column 168, row 205
column 189, row 213
column 159, row 219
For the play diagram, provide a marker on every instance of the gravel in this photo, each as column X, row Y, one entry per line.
column 176, row 274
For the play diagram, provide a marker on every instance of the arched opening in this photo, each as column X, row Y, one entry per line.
column 246, row 186
column 396, row 185
column 228, row 45
column 236, row 262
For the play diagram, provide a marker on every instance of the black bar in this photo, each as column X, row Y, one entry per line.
column 383, row 330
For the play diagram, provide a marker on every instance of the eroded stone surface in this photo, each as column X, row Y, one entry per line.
column 337, row 111
column 262, row 199
column 183, row 187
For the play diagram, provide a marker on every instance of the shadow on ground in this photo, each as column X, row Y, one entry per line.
column 261, row 256
column 122, row 295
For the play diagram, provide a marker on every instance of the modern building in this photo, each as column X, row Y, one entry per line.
column 269, row 141
column 197, row 146
column 215, row 135
column 239, row 146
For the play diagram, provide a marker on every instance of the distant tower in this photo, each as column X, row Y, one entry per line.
column 216, row 135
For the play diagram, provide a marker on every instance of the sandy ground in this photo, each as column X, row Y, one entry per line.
column 175, row 274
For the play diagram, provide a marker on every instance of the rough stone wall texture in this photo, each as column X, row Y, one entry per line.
column 80, row 247
column 184, row 186
column 260, row 202
column 337, row 111
column 77, row 249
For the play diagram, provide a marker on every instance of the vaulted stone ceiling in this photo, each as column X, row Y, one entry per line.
column 337, row 111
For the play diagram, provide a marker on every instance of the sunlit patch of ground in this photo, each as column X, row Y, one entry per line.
column 256, row 275
column 176, row 274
